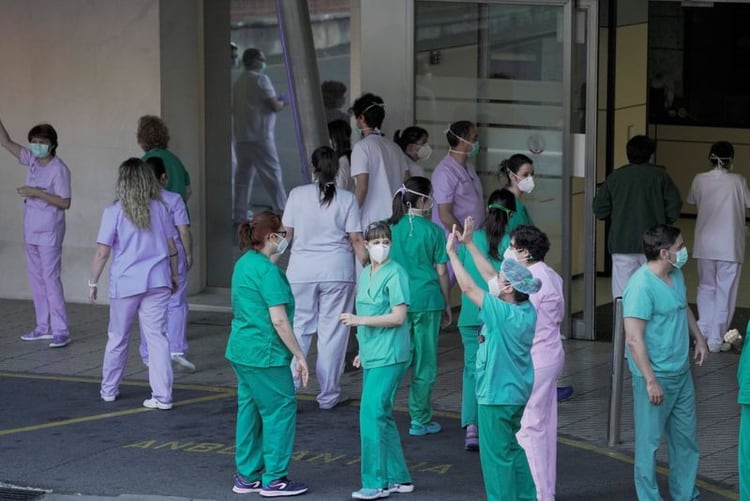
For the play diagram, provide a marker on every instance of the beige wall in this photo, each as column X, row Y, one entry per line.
column 91, row 69
column 684, row 152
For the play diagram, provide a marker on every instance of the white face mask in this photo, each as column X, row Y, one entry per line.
column 281, row 245
column 526, row 184
column 424, row 152
column 493, row 286
column 509, row 254
column 379, row 252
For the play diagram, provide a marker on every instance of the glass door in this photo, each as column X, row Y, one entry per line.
column 505, row 66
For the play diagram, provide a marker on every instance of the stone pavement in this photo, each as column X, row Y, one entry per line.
column 582, row 420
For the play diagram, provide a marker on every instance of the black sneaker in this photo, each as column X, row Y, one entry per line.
column 283, row 487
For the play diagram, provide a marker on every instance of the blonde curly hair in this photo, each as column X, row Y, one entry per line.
column 152, row 133
column 136, row 187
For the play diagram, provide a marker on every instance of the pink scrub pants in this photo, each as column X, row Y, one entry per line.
column 151, row 307
column 177, row 311
column 43, row 265
column 538, row 433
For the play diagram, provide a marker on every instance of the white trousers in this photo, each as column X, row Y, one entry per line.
column 623, row 266
column 718, row 282
column 317, row 308
column 261, row 158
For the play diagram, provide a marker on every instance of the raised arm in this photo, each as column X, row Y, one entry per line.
column 7, row 143
column 468, row 286
column 467, row 238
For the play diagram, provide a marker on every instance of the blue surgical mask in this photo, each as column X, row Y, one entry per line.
column 39, row 150
column 474, row 150
column 681, row 257
column 262, row 67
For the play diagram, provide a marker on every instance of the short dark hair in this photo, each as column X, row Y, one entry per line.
column 656, row 238
column 333, row 93
column 639, row 149
column 378, row 229
column 458, row 130
column 157, row 165
column 250, row 56
column 371, row 107
column 722, row 150
column 45, row 131
column 531, row 239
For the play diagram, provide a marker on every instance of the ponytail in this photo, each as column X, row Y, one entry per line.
column 326, row 166
column 500, row 206
column 407, row 195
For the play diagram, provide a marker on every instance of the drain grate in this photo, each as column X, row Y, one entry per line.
column 18, row 494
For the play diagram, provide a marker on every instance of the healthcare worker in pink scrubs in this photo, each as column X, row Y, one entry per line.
column 538, row 434
column 46, row 195
column 137, row 230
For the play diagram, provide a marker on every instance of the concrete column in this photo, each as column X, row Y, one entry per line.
column 304, row 81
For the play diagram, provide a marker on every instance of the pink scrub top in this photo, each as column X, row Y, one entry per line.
column 140, row 258
column 549, row 304
column 43, row 223
column 454, row 184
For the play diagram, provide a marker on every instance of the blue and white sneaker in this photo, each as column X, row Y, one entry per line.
column 403, row 488
column 242, row 486
column 283, row 487
column 35, row 336
column 371, row 493
column 418, row 429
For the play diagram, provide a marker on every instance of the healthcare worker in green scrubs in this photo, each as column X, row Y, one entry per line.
column 658, row 322
column 743, row 398
column 419, row 246
column 491, row 240
column 260, row 348
column 505, row 372
column 383, row 335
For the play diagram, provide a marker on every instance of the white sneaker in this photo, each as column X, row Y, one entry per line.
column 716, row 348
column 401, row 488
column 153, row 403
column 180, row 360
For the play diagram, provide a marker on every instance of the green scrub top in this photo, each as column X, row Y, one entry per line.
column 469, row 316
column 505, row 372
column 258, row 284
column 418, row 244
column 377, row 294
column 664, row 308
column 178, row 178
column 743, row 373
column 520, row 217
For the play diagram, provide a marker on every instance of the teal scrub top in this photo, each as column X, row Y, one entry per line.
column 469, row 316
column 258, row 284
column 743, row 372
column 178, row 178
column 664, row 308
column 418, row 244
column 520, row 217
column 377, row 294
column 505, row 372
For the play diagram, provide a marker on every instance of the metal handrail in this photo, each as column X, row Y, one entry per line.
column 618, row 367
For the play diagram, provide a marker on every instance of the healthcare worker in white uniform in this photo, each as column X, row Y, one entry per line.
column 379, row 167
column 721, row 197
column 323, row 224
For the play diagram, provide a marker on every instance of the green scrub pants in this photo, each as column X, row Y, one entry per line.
column 383, row 460
column 266, row 421
column 675, row 416
column 470, row 340
column 425, row 328
column 504, row 464
column 743, row 459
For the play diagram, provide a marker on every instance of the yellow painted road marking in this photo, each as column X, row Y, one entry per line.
column 109, row 415
column 142, row 384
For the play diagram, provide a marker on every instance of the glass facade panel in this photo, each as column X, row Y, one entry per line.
column 500, row 66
